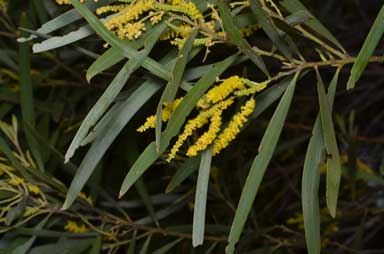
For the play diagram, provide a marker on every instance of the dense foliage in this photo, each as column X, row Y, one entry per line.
column 145, row 126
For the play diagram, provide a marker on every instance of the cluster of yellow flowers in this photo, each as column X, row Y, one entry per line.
column 165, row 115
column 210, row 111
column 129, row 20
column 74, row 227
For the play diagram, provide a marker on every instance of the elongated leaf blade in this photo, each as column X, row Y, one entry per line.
column 294, row 6
column 333, row 156
column 126, row 49
column 102, row 142
column 201, row 198
column 270, row 29
column 62, row 20
column 26, row 96
column 311, row 179
column 189, row 166
column 112, row 91
column 173, row 85
column 259, row 166
column 366, row 51
column 235, row 36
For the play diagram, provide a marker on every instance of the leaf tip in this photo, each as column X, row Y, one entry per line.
column 121, row 194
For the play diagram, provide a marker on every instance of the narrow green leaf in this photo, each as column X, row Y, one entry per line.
column 127, row 50
column 311, row 179
column 144, row 249
column 102, row 105
column 259, row 165
column 294, row 6
column 366, row 51
column 333, row 156
column 132, row 244
column 166, row 248
column 310, row 189
column 128, row 109
column 142, row 190
column 113, row 55
column 268, row 97
column 26, row 96
column 26, row 93
column 150, row 155
column 109, row 58
column 270, row 29
column 235, row 36
column 190, row 165
column 96, row 245
column 173, row 85
column 113, row 90
column 201, row 198
column 5, row 58
column 22, row 249
column 60, row 41
column 63, row 20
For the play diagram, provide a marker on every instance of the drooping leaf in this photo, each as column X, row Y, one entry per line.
column 173, row 85
column 270, row 29
column 294, row 6
column 185, row 170
column 126, row 49
column 113, row 90
column 127, row 110
column 235, row 36
column 201, row 198
column 26, row 96
column 370, row 44
column 259, row 166
column 311, row 179
column 333, row 156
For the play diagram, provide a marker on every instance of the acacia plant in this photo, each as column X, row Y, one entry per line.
column 201, row 72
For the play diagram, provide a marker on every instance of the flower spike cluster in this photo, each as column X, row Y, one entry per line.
column 234, row 126
column 166, row 113
column 130, row 19
column 211, row 108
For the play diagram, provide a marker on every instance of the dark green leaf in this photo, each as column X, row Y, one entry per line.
column 201, row 198
column 366, row 51
column 259, row 165
column 333, row 156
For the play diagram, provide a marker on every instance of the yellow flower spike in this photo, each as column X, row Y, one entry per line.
column 73, row 227
column 156, row 18
column 131, row 30
column 221, row 91
column 111, row 8
column 33, row 189
column 199, row 121
column 182, row 30
column 168, row 109
column 187, row 8
column 254, row 88
column 249, row 30
column 234, row 127
column 128, row 14
column 16, row 181
column 208, row 137
column 86, row 198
